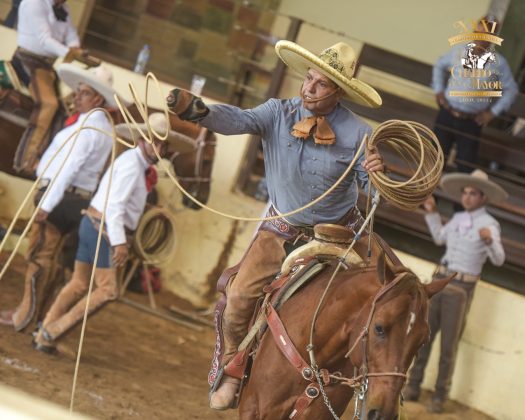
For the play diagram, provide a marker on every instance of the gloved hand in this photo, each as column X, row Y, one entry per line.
column 186, row 105
column 74, row 53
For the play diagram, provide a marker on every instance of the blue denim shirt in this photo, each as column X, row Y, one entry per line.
column 298, row 171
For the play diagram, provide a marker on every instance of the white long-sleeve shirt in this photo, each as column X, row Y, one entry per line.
column 127, row 196
column 85, row 163
column 466, row 252
column 41, row 33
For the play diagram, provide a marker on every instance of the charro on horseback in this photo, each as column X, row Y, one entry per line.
column 308, row 143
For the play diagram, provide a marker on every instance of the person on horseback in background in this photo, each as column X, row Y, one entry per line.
column 308, row 143
column 71, row 191
column 471, row 236
column 45, row 32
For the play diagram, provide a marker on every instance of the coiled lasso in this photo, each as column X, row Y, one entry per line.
column 419, row 148
column 155, row 239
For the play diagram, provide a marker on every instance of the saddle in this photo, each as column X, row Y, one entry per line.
column 330, row 241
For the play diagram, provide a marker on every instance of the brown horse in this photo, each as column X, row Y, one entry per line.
column 192, row 168
column 370, row 326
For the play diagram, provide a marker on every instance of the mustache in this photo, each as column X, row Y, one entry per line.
column 311, row 101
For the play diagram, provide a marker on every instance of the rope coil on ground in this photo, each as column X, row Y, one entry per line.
column 155, row 240
column 419, row 148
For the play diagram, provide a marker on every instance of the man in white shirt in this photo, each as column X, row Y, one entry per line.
column 471, row 237
column 68, row 189
column 45, row 32
column 126, row 201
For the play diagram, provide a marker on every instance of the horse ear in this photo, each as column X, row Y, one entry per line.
column 381, row 268
column 437, row 285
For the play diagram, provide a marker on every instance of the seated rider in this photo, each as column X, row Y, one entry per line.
column 308, row 143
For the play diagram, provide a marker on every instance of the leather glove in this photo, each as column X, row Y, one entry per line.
column 186, row 105
column 74, row 53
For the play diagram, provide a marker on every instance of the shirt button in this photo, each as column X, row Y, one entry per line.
column 313, row 186
column 314, row 158
column 314, row 172
column 289, row 144
column 342, row 156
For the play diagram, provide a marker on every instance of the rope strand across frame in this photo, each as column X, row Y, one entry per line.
column 413, row 141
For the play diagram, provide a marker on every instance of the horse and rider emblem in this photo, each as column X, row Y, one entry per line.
column 477, row 57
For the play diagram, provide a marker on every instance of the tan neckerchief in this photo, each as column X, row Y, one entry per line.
column 316, row 125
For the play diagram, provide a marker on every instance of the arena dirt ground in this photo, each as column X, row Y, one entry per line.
column 133, row 365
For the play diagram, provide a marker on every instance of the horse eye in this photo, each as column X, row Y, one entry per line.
column 379, row 330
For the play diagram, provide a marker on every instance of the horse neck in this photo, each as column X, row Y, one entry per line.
column 347, row 297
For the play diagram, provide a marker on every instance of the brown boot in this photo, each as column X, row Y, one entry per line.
column 224, row 397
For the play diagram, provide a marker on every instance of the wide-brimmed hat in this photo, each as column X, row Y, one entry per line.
column 99, row 78
column 177, row 142
column 454, row 183
column 337, row 62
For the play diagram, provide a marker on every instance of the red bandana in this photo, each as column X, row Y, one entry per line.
column 151, row 178
column 72, row 119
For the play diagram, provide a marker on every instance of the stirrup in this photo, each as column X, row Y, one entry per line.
column 216, row 383
column 229, row 399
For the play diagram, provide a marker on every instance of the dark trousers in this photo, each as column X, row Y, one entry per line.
column 464, row 132
column 448, row 313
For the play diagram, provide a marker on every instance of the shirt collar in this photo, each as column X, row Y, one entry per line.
column 478, row 212
column 141, row 158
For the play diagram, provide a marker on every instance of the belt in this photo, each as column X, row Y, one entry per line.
column 95, row 216
column 464, row 277
column 81, row 192
column 46, row 59
column 461, row 115
column 285, row 229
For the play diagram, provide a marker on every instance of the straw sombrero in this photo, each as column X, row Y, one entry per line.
column 453, row 183
column 157, row 121
column 99, row 78
column 337, row 63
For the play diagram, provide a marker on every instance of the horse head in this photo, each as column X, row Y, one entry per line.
column 388, row 332
column 193, row 169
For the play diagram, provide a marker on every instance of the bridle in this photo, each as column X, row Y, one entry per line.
column 319, row 378
column 360, row 381
column 200, row 145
